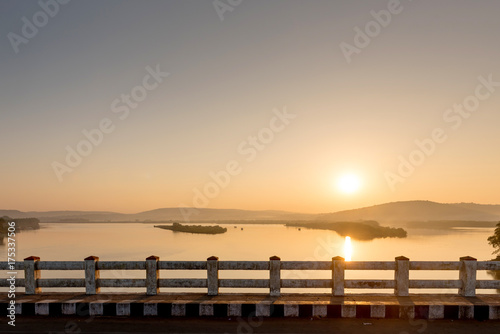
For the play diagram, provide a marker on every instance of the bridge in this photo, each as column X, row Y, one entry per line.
column 465, row 304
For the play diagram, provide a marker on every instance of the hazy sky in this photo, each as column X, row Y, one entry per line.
column 285, row 95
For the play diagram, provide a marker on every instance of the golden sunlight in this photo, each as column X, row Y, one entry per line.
column 347, row 249
column 349, row 183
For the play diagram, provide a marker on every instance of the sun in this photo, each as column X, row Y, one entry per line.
column 349, row 183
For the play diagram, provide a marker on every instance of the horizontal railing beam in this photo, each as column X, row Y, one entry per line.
column 488, row 265
column 435, row 284
column 60, row 265
column 243, row 283
column 61, row 282
column 306, row 283
column 121, row 283
column 17, row 266
column 182, row 283
column 4, row 283
column 370, row 265
column 487, row 284
column 432, row 265
column 244, row 265
column 121, row 265
column 306, row 265
column 369, row 284
column 182, row 265
column 251, row 265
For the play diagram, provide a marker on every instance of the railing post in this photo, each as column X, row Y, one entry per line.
column 91, row 275
column 338, row 274
column 152, row 275
column 213, row 275
column 274, row 276
column 31, row 274
column 402, row 276
column 468, row 270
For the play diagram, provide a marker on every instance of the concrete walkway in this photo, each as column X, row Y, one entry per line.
column 481, row 307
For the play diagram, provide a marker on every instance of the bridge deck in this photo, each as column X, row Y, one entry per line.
column 420, row 306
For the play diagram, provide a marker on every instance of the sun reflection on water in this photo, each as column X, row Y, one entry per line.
column 347, row 249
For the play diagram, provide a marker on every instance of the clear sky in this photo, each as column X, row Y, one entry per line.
column 283, row 97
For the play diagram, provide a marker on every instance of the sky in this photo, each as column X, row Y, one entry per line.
column 130, row 106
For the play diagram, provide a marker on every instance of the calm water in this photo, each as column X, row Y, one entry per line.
column 255, row 242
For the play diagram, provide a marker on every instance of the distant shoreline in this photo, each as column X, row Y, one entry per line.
column 365, row 230
column 433, row 224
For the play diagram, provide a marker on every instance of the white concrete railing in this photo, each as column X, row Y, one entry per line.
column 466, row 284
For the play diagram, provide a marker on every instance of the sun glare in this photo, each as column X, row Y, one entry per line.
column 349, row 183
column 347, row 249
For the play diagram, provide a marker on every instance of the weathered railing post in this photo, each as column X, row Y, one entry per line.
column 274, row 276
column 402, row 276
column 468, row 270
column 213, row 275
column 338, row 274
column 91, row 275
column 152, row 275
column 31, row 274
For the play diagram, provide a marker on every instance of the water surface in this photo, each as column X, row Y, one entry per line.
column 136, row 241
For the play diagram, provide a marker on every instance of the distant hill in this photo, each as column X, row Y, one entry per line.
column 416, row 211
column 490, row 208
column 218, row 214
column 396, row 212
column 45, row 216
column 166, row 214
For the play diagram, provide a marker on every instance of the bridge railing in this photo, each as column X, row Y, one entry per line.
column 466, row 285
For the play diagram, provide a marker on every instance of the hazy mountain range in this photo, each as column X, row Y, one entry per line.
column 166, row 214
column 384, row 213
column 418, row 211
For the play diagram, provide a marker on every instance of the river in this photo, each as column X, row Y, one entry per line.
column 136, row 241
